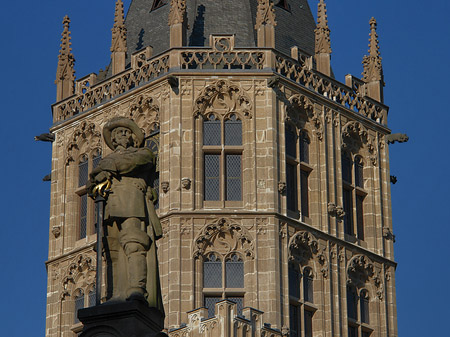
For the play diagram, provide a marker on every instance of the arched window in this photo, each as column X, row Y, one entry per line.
column 86, row 207
column 353, row 195
column 222, row 150
column 297, row 170
column 92, row 296
column 223, row 278
column 358, row 313
column 78, row 303
column 301, row 298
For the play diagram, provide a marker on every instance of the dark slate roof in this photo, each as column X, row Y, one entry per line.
column 146, row 27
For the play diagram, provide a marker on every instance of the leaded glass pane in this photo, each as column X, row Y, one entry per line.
column 234, row 181
column 212, row 172
column 83, row 170
column 308, row 323
column 233, row 131
column 304, row 193
column 92, row 296
column 348, row 209
column 346, row 168
column 79, row 304
column 239, row 304
column 352, row 303
column 211, row 131
column 304, row 147
column 212, row 272
column 96, row 160
column 308, row 289
column 291, row 187
column 83, row 216
column 294, row 283
column 364, row 307
column 360, row 216
column 234, row 272
column 156, row 188
column 210, row 304
column 294, row 320
column 291, row 143
column 359, row 181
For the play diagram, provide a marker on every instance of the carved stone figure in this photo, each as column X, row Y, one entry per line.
column 131, row 224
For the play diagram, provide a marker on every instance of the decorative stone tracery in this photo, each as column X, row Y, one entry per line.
column 85, row 135
column 356, row 137
column 223, row 236
column 361, row 271
column 223, row 97
column 300, row 110
column 79, row 274
column 144, row 110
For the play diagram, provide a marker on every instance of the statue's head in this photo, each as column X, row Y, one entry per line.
column 123, row 132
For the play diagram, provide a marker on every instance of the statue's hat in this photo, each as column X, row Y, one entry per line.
column 125, row 122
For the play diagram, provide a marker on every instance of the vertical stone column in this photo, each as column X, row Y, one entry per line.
column 265, row 24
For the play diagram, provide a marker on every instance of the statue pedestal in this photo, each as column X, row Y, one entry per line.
column 124, row 319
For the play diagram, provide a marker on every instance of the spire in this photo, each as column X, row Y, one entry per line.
column 373, row 69
column 177, row 23
column 322, row 30
column 119, row 40
column 265, row 24
column 65, row 73
column 323, row 45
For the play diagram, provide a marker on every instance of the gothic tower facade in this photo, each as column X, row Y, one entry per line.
column 273, row 177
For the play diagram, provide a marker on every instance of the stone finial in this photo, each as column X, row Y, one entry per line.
column 323, row 44
column 65, row 73
column 265, row 24
column 177, row 12
column 177, row 23
column 373, row 69
column 322, row 30
column 119, row 40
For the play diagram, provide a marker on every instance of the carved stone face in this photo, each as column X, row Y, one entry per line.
column 122, row 137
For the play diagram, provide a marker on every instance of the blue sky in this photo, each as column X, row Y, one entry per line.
column 415, row 46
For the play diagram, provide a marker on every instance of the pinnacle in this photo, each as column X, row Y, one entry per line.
column 373, row 70
column 323, row 44
column 119, row 33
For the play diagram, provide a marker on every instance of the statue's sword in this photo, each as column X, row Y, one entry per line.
column 100, row 193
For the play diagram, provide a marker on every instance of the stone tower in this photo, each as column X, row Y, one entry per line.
column 274, row 183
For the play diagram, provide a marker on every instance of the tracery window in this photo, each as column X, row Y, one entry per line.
column 353, row 195
column 222, row 152
column 223, row 278
column 358, row 312
column 87, row 207
column 297, row 170
column 301, row 301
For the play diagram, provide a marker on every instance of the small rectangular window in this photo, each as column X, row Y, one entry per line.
column 304, row 193
column 294, row 320
column 351, row 303
column 212, row 177
column 308, row 288
column 234, row 181
column 360, row 216
column 346, row 169
column 348, row 209
column 233, row 131
column 365, row 310
column 291, row 187
column 234, row 271
column 212, row 274
column 294, row 283
column 291, row 143
column 83, row 216
column 79, row 304
column 92, row 297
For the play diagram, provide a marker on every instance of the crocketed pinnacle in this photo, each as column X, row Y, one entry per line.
column 177, row 12
column 119, row 32
column 373, row 70
column 265, row 14
column 323, row 44
column 66, row 60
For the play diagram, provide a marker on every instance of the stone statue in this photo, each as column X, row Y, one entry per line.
column 131, row 224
